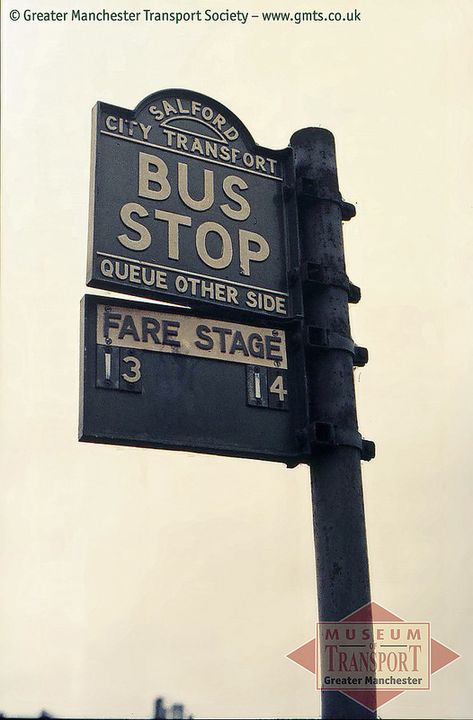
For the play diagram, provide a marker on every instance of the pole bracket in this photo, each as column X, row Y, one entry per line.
column 330, row 436
column 322, row 276
column 320, row 339
column 306, row 187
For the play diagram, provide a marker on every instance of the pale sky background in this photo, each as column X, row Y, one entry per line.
column 128, row 573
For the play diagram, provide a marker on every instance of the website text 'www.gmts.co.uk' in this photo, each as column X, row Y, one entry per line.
column 310, row 16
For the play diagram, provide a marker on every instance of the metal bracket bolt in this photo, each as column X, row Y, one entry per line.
column 322, row 276
column 329, row 435
column 320, row 339
column 306, row 187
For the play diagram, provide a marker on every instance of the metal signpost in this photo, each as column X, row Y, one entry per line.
column 257, row 361
column 337, row 498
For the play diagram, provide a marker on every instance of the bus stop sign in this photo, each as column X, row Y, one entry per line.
column 185, row 207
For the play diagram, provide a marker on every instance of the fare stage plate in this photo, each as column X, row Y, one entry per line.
column 157, row 376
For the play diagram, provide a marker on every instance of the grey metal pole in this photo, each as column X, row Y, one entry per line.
column 337, row 497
